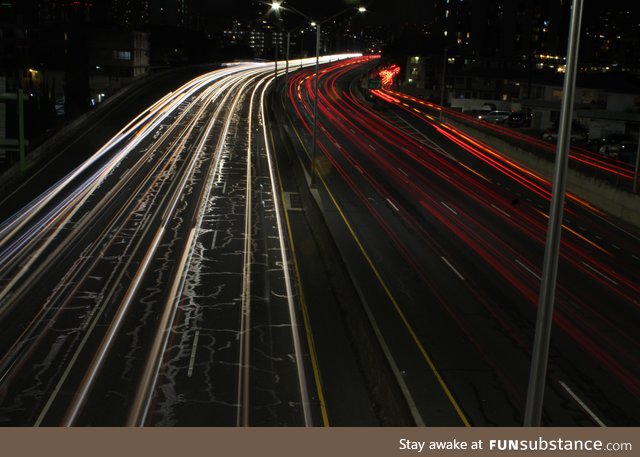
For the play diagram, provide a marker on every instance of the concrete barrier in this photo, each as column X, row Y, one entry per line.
column 621, row 204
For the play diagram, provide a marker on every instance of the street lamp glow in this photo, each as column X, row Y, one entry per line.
column 276, row 6
column 313, row 24
column 362, row 9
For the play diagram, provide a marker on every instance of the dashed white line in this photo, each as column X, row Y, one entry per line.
column 358, row 168
column 192, row 360
column 615, row 247
column 502, row 211
column 394, row 206
column 213, row 242
column 371, row 146
column 224, row 187
column 452, row 267
column 635, row 256
column 582, row 404
column 599, row 273
column 449, row 208
column 403, row 172
column 528, row 269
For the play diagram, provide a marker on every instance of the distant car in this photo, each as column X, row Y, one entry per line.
column 519, row 119
column 602, row 144
column 623, row 151
column 497, row 117
column 578, row 133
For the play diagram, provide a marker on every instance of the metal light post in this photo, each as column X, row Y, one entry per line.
column 276, row 6
column 540, row 356
column 286, row 67
column 444, row 71
column 275, row 63
column 635, row 172
column 315, row 109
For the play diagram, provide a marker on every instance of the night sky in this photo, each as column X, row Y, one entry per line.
column 378, row 10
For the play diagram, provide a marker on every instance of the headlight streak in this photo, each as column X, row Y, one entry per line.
column 149, row 118
column 45, row 217
column 304, row 390
column 90, row 377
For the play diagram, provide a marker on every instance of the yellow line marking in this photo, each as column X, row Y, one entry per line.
column 303, row 304
column 582, row 237
column 475, row 172
column 404, row 319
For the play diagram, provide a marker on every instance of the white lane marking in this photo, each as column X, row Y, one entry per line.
column 371, row 146
column 394, row 206
column 528, row 269
column 635, row 256
column 403, row 172
column 502, row 211
column 358, row 168
column 616, row 247
column 304, row 392
column 213, row 242
column 582, row 404
column 449, row 208
column 224, row 187
column 192, row 360
column 425, row 139
column 452, row 267
column 599, row 273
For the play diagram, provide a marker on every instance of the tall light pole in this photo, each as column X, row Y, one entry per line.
column 444, row 73
column 635, row 172
column 286, row 67
column 276, row 6
column 314, row 146
column 542, row 339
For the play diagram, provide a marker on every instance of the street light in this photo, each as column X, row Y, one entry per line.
column 277, row 6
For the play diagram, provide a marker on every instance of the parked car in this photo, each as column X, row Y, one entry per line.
column 497, row 117
column 578, row 133
column 519, row 119
column 623, row 151
column 602, row 144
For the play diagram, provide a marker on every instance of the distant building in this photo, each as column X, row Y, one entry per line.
column 415, row 74
column 116, row 57
column 260, row 36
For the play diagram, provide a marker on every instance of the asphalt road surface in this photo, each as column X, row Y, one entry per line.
column 444, row 238
column 151, row 285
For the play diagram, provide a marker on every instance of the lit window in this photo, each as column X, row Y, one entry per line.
column 122, row 55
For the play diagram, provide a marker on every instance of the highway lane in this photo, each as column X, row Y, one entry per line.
column 471, row 230
column 151, row 285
